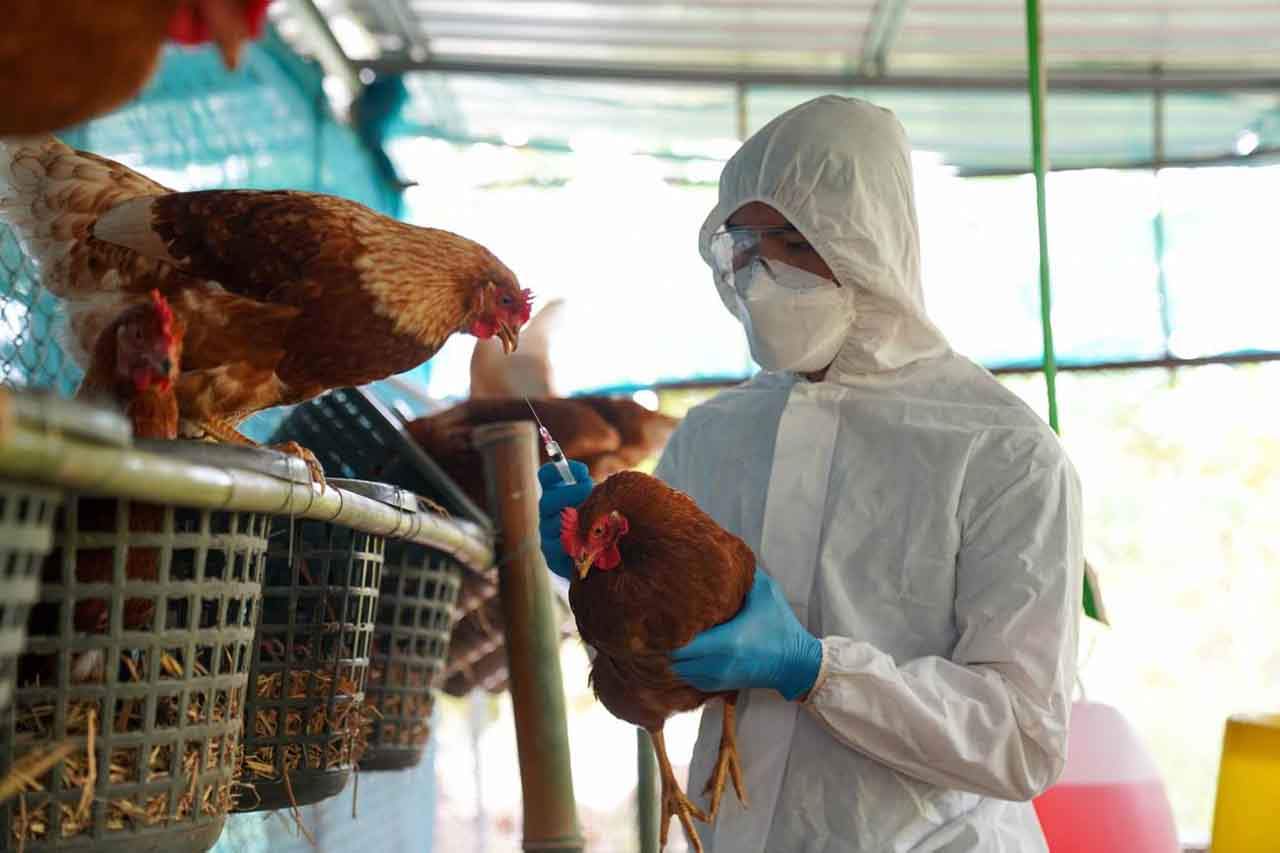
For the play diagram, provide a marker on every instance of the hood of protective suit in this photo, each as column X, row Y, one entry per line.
column 839, row 169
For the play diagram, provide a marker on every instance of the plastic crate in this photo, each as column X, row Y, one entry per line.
column 416, row 612
column 140, row 644
column 355, row 436
column 304, row 716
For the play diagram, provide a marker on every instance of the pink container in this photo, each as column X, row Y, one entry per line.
column 1110, row 798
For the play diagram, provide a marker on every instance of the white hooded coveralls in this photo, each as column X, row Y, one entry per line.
column 922, row 521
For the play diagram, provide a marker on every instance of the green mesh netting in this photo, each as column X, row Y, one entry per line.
column 197, row 126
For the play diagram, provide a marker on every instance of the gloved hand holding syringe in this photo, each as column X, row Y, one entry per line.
column 553, row 449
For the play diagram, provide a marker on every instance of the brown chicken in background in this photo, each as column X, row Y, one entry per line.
column 65, row 61
column 284, row 295
column 134, row 368
column 653, row 571
column 606, row 434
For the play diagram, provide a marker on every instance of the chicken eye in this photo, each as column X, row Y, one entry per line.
column 506, row 300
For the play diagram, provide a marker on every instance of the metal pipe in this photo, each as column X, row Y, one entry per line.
column 1257, row 157
column 1159, row 129
column 328, row 49
column 647, row 814
column 1039, row 91
column 510, row 456
column 1207, row 81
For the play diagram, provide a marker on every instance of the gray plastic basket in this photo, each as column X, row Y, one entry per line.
column 140, row 643
column 304, row 716
column 27, row 513
column 410, row 647
column 26, row 535
column 353, row 435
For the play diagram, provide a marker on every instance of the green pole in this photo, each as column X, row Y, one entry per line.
column 646, row 793
column 1039, row 89
column 1038, row 84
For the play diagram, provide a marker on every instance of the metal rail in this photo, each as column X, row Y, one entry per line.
column 1206, row 81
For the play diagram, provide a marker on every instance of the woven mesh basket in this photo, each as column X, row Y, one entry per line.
column 304, row 716
column 140, row 646
column 410, row 647
column 26, row 524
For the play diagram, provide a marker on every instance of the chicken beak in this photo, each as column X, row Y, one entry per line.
column 584, row 565
column 510, row 338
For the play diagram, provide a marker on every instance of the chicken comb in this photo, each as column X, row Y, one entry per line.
column 163, row 311
column 570, row 541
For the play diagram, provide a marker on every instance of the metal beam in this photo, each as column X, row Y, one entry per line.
column 412, row 27
column 1168, row 362
column 329, row 51
column 1207, row 81
column 1257, row 158
column 886, row 23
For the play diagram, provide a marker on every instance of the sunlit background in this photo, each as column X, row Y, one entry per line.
column 1166, row 298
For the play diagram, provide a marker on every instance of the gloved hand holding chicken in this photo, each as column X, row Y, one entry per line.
column 649, row 571
column 763, row 646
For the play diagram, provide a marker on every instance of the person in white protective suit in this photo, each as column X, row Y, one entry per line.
column 921, row 522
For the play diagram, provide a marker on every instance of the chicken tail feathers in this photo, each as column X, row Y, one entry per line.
column 52, row 195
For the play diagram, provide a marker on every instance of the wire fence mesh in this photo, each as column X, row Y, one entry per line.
column 195, row 126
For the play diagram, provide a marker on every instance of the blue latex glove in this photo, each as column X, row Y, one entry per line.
column 763, row 646
column 555, row 497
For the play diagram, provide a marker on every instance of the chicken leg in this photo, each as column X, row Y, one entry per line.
column 217, row 430
column 727, row 763
column 674, row 801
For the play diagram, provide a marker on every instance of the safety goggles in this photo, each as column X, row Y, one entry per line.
column 738, row 247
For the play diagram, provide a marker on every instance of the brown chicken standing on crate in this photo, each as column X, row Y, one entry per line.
column 284, row 295
column 65, row 61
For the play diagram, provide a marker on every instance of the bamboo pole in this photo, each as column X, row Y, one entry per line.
column 647, row 817
column 532, row 639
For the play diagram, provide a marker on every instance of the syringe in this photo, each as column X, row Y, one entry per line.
column 553, row 449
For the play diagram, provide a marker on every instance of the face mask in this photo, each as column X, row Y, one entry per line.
column 794, row 320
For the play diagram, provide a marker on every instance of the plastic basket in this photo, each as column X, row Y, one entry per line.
column 140, row 645
column 353, row 435
column 410, row 647
column 304, row 716
column 27, row 513
column 26, row 535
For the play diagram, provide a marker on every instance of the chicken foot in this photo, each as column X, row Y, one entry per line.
column 728, row 766
column 217, row 430
column 674, row 801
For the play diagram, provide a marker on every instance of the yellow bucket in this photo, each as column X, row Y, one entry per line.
column 1246, row 815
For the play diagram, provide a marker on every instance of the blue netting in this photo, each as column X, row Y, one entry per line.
column 198, row 126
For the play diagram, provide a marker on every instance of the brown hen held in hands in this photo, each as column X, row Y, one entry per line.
column 653, row 571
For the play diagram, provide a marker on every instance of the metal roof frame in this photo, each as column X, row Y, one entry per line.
column 1064, row 81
